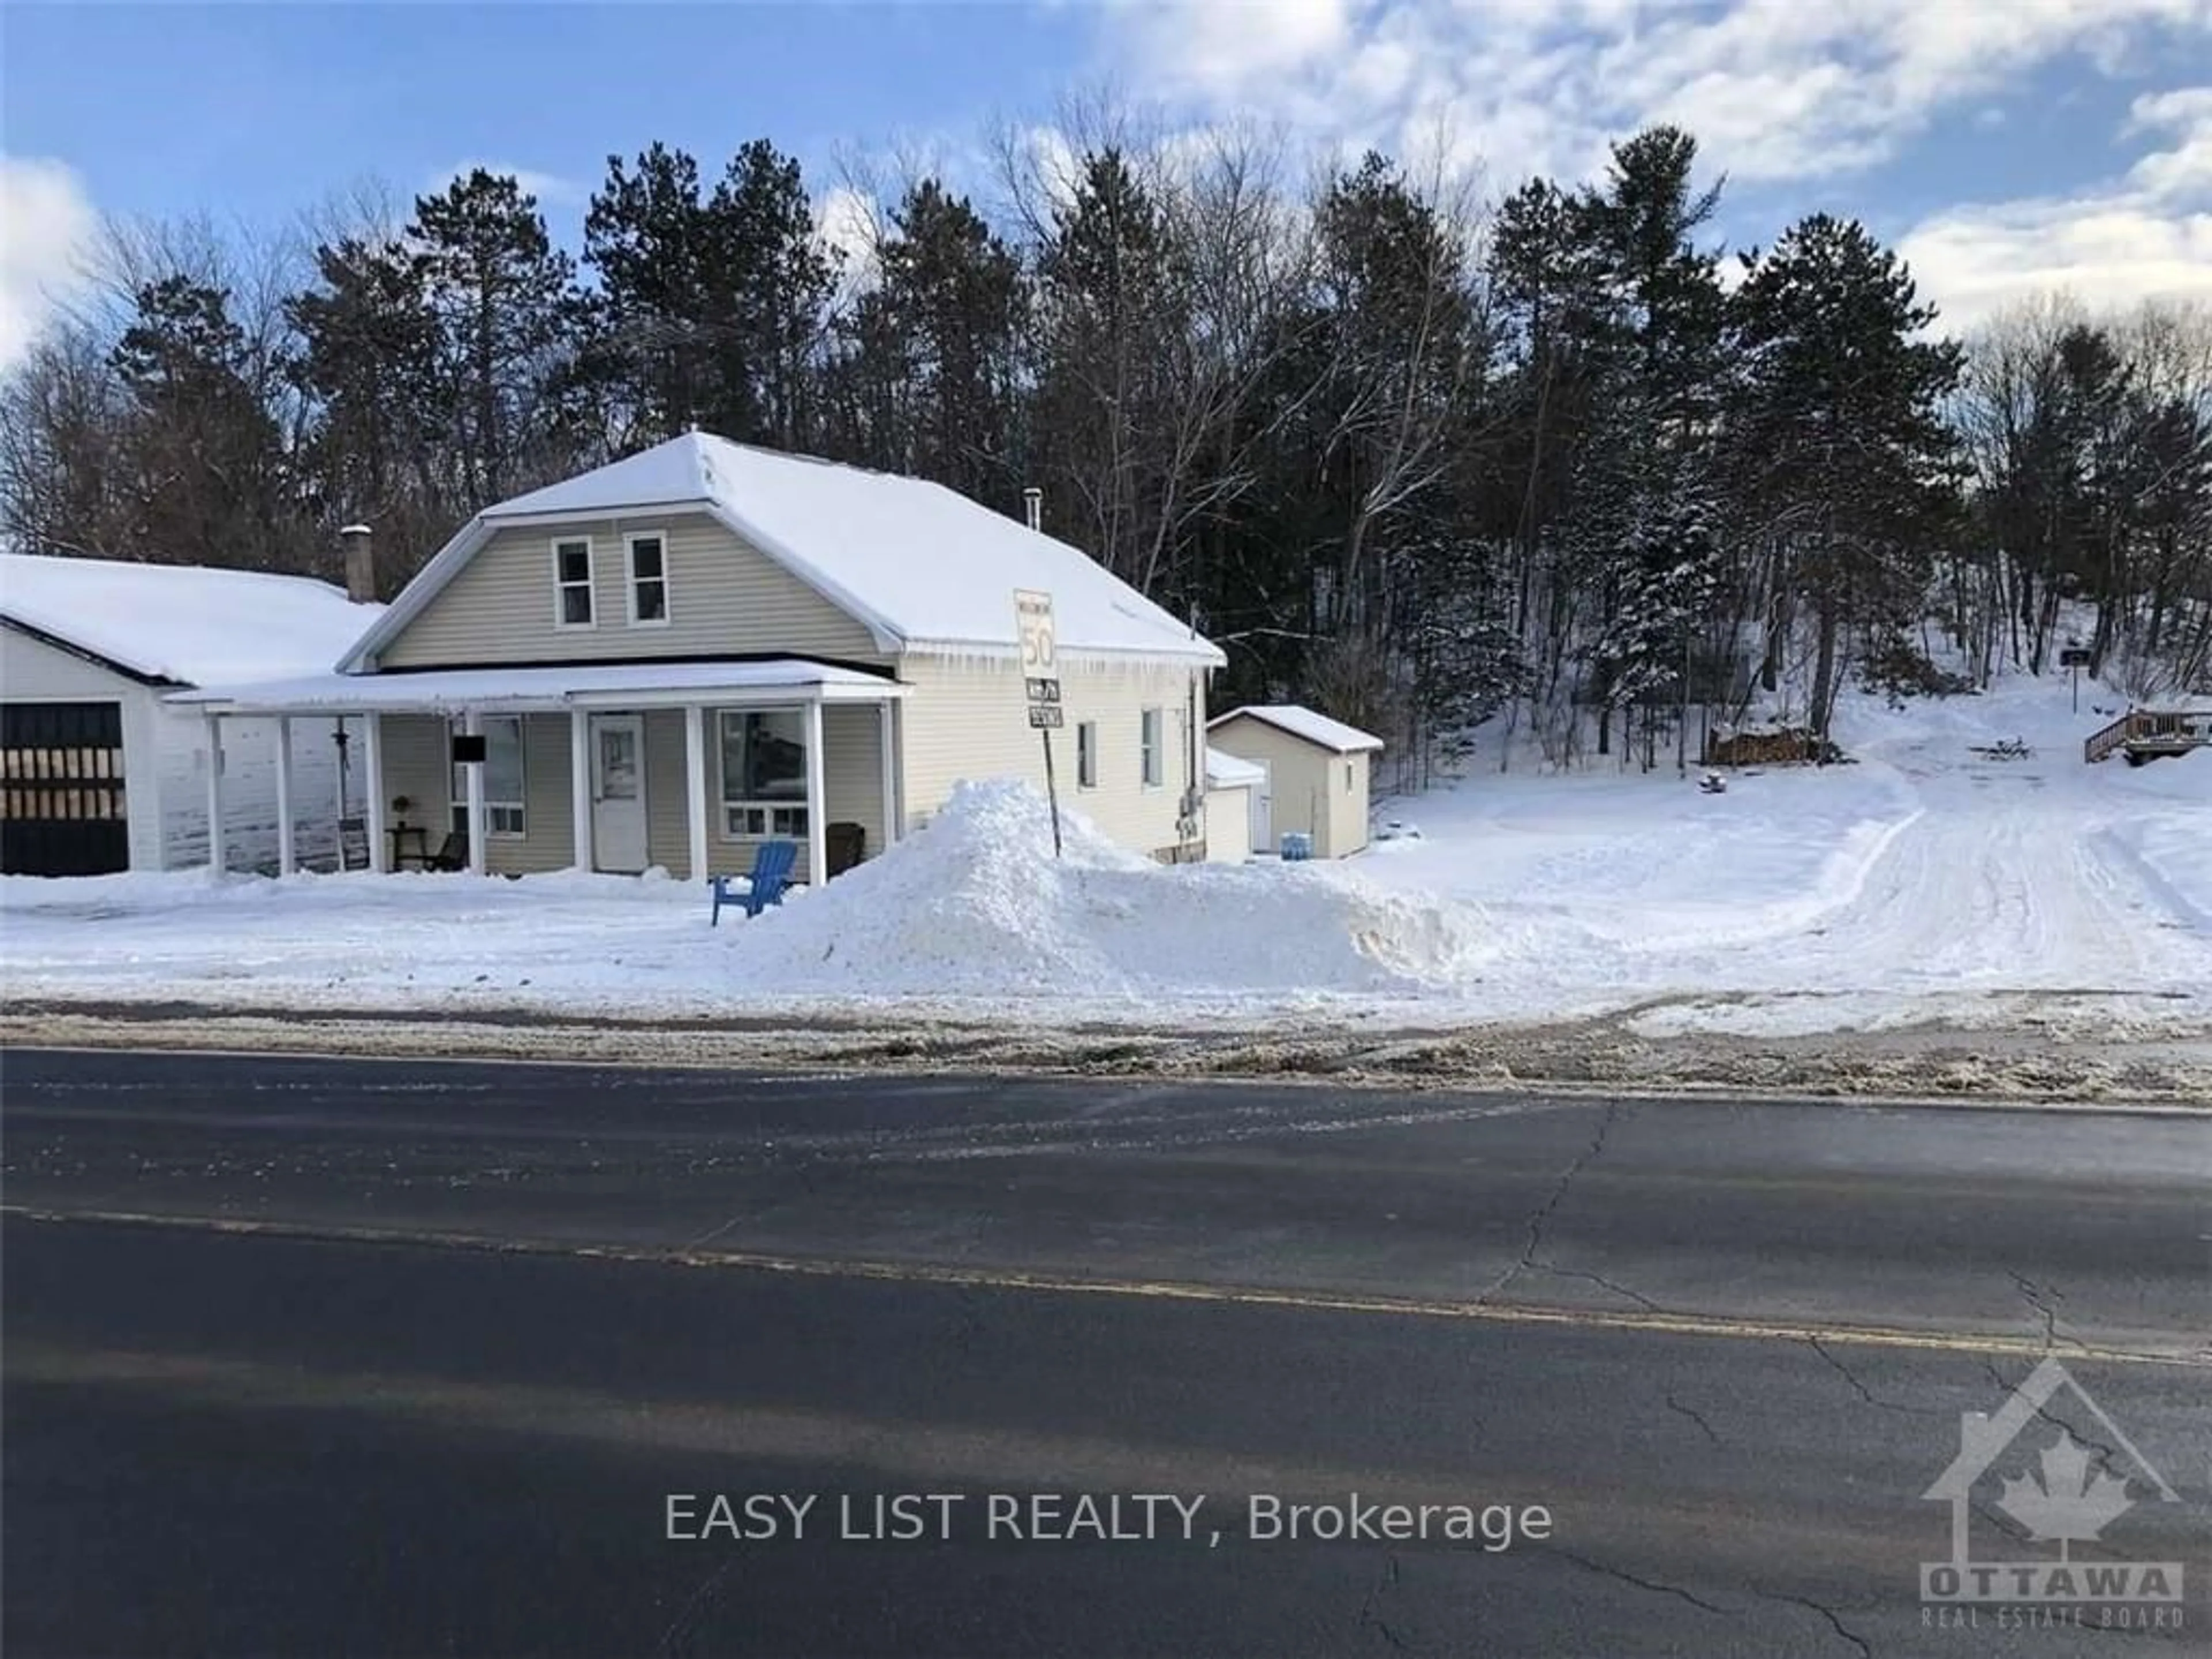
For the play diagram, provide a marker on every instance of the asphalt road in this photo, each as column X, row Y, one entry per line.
column 317, row 1357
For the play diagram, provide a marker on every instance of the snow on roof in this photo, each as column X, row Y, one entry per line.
column 453, row 689
column 191, row 623
column 924, row 566
column 1310, row 724
column 1231, row 772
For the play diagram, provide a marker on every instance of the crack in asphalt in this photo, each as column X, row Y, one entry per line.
column 693, row 1604
column 2039, row 1297
column 1826, row 1612
column 1653, row 1585
column 1369, row 1619
column 1601, row 1281
column 1543, row 1213
column 1695, row 1416
column 2113, row 1459
column 1861, row 1388
column 2003, row 1522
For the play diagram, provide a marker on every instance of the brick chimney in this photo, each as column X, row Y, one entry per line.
column 359, row 563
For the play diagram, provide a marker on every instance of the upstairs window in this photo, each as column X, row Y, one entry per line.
column 648, row 581
column 572, row 582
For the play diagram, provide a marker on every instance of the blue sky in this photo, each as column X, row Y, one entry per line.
column 256, row 109
column 2003, row 144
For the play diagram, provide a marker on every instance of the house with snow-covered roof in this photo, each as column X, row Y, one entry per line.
column 99, row 773
column 1314, row 769
column 667, row 660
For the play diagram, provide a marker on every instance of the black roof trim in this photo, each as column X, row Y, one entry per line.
column 85, row 652
column 880, row 670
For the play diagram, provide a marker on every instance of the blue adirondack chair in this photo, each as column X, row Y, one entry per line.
column 772, row 863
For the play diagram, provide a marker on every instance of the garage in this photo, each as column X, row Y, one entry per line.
column 99, row 773
column 62, row 806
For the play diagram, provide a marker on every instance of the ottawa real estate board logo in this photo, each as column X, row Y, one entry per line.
column 2059, row 1489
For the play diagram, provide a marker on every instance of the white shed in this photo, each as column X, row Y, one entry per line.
column 1235, row 807
column 98, row 774
column 1316, row 773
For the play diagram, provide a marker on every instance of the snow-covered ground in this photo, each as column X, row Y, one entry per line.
column 1924, row 883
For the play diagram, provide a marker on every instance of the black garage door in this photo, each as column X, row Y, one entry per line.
column 61, row 789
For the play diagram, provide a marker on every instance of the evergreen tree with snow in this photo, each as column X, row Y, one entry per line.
column 1838, row 438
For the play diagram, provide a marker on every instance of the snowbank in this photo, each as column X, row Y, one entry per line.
column 976, row 905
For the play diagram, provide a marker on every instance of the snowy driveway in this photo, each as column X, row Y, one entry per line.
column 1925, row 883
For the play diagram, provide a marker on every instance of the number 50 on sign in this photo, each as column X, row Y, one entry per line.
column 1033, row 616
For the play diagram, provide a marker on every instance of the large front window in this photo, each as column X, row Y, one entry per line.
column 763, row 772
column 502, row 779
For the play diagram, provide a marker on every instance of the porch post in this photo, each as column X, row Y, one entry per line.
column 887, row 743
column 215, row 839
column 695, row 786
column 472, row 725
column 817, row 833
column 580, row 784
column 372, row 779
column 286, row 860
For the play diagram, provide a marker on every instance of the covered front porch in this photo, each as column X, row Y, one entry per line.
column 686, row 767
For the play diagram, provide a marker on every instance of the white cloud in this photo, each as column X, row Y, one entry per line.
column 1776, row 89
column 2145, row 234
column 846, row 223
column 1224, row 48
column 47, row 225
column 550, row 189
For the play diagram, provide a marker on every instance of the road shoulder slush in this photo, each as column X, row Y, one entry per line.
column 1925, row 1064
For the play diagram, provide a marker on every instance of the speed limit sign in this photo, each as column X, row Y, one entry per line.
column 1033, row 619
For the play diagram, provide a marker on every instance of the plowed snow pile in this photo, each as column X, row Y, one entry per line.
column 975, row 904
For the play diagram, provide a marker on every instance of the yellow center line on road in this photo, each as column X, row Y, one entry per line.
column 1181, row 1290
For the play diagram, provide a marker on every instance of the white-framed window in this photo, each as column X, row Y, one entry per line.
column 1149, row 725
column 1086, row 755
column 763, row 772
column 649, row 579
column 503, row 789
column 572, row 582
column 1347, row 777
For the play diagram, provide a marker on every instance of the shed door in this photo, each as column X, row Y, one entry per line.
column 1263, row 809
column 61, row 789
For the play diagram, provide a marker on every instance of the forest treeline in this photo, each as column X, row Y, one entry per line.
column 1559, row 459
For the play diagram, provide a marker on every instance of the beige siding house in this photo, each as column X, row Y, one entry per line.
column 1316, row 773
column 669, row 661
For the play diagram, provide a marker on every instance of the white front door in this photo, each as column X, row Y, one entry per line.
column 1263, row 811
column 618, row 793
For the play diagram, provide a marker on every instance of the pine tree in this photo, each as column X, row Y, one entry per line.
column 954, row 295
column 645, row 242
column 1840, row 433
column 208, row 478
column 505, row 300
column 369, row 361
column 765, row 282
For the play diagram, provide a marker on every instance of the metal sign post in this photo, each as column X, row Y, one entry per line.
column 1040, row 683
column 2076, row 658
